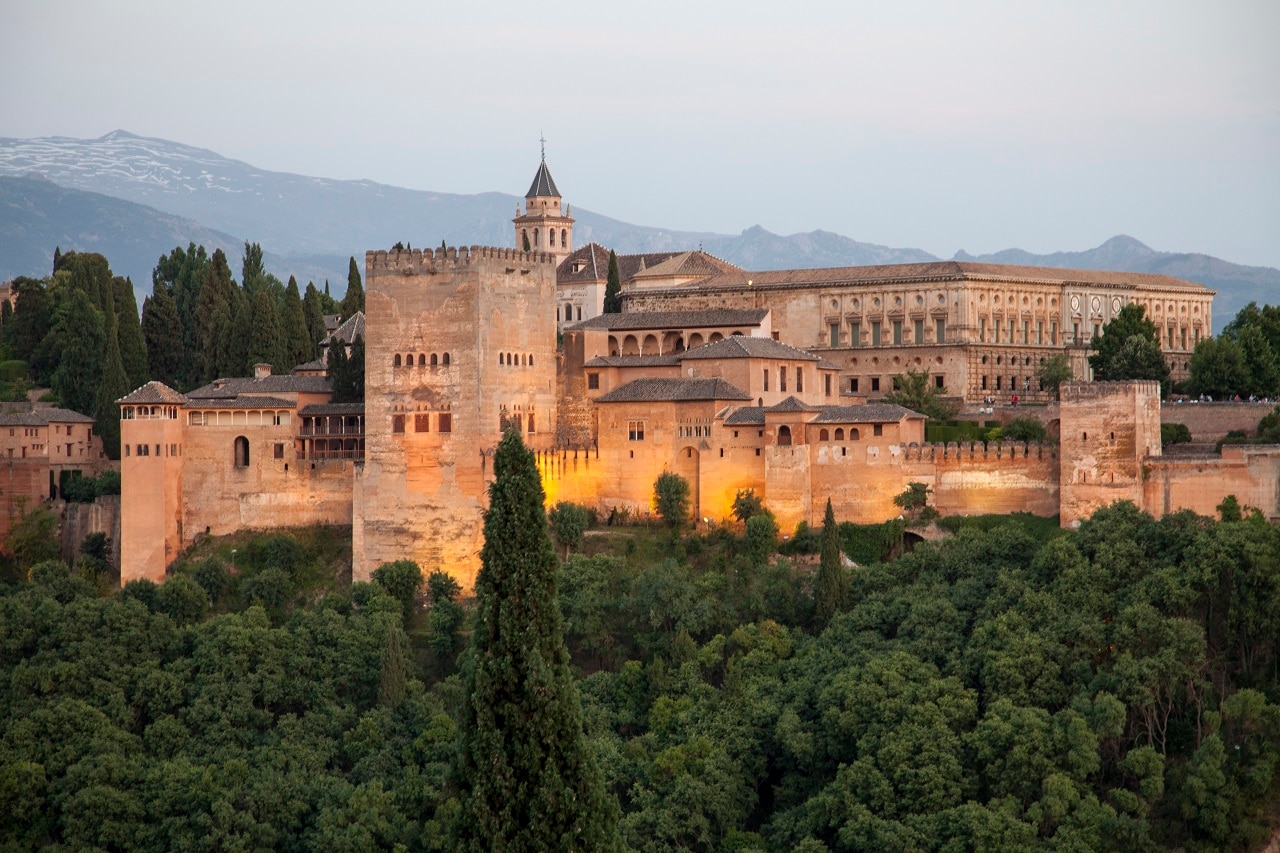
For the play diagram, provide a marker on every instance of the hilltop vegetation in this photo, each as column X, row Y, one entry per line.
column 1114, row 687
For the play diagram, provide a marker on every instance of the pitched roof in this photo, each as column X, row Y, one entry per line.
column 673, row 390
column 634, row 361
column 742, row 346
column 868, row 414
column 746, row 415
column 152, row 393
column 713, row 317
column 939, row 271
column 332, row 409
column 248, row 401
column 282, row 384
column 542, row 184
column 314, row 364
column 697, row 263
column 791, row 404
column 351, row 328
column 41, row 416
column 595, row 264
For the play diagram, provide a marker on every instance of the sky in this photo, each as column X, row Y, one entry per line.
column 984, row 125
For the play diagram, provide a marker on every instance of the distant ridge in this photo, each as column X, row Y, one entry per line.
column 316, row 223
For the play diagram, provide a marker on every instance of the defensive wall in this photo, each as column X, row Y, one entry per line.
column 1199, row 483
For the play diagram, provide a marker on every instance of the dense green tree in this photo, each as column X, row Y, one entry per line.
column 113, row 385
column 1055, row 370
column 1026, row 429
column 182, row 272
column 213, row 321
column 235, row 359
column 267, row 343
column 526, row 777
column 613, row 287
column 346, row 371
column 671, row 499
column 32, row 319
column 299, row 347
column 569, row 521
column 916, row 391
column 313, row 310
column 83, row 336
column 830, row 586
column 253, row 271
column 746, row 503
column 133, row 349
column 1218, row 368
column 1129, row 348
column 162, row 332
column 353, row 300
column 1260, row 362
column 402, row 580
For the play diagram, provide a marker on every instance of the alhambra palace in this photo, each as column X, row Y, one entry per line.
column 733, row 379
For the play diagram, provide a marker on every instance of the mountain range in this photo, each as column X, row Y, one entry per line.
column 134, row 198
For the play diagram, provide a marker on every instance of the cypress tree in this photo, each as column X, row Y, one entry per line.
column 829, row 587
column 133, row 349
column 237, row 361
column 336, row 368
column 253, row 273
column 612, row 302
column 6, row 314
column 113, row 386
column 183, row 273
column 353, row 301
column 81, row 332
column 526, row 779
column 212, row 320
column 57, row 257
column 391, row 680
column 266, row 338
column 162, row 334
column 293, row 320
column 313, row 309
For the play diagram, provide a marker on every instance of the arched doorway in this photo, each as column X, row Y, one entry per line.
column 687, row 465
column 784, row 436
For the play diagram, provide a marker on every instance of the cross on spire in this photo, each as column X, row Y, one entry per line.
column 543, row 140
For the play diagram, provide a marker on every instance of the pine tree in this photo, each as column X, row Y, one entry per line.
column 612, row 301
column 266, row 338
column 353, row 301
column 162, row 334
column 133, row 349
column 293, row 320
column 829, row 587
column 114, row 385
column 526, row 776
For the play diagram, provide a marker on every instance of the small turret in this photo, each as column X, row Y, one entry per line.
column 544, row 226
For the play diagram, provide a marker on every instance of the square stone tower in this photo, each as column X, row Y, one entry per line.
column 460, row 343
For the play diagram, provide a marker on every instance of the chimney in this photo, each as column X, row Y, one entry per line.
column 261, row 371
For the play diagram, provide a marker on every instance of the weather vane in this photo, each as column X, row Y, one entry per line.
column 543, row 139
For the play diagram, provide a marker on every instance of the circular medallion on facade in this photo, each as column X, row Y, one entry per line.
column 1115, row 305
column 1096, row 304
column 1075, row 302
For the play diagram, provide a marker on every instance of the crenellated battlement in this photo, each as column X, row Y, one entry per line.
column 967, row 451
column 1074, row 391
column 428, row 260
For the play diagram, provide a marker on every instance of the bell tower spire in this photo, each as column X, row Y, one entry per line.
column 545, row 224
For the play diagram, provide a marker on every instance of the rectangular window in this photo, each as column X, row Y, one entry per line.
column 277, row 451
column 397, row 424
column 593, row 381
column 1097, row 330
column 782, row 379
column 422, row 422
column 1075, row 332
column 765, row 371
column 875, row 333
column 984, row 383
column 799, row 380
column 635, row 430
column 937, row 383
column 1053, row 334
column 446, row 422
column 531, row 430
column 998, row 381
column 877, row 429
column 833, row 333
column 875, row 383
column 1039, row 331
column 919, row 332
column 1184, row 337
column 826, row 384
column 939, row 330
column 982, row 330
column 1011, row 330
column 1025, row 325
column 855, row 334
column 897, row 332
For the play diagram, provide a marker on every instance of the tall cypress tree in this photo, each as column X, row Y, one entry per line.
column 353, row 301
column 113, row 386
column 212, row 319
column 81, row 333
column 266, row 338
column 829, row 587
column 253, row 272
column 336, row 367
column 293, row 320
column 183, row 273
column 237, row 361
column 612, row 301
column 526, row 778
column 313, row 309
column 133, row 349
column 162, row 333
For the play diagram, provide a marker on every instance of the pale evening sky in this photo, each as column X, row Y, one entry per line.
column 944, row 126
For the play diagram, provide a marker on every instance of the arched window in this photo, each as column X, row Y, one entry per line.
column 531, row 359
column 524, row 237
column 433, row 360
column 422, row 359
column 564, row 244
column 535, row 238
column 499, row 359
column 854, row 435
column 446, row 359
column 397, row 361
column 242, row 451
column 579, row 312
column 823, row 435
column 784, row 435
column 839, row 433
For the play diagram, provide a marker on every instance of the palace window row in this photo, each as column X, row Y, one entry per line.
column 129, row 413
column 146, row 450
column 239, row 417
column 422, row 422
column 551, row 233
column 515, row 359
column 423, row 360
column 568, row 315
column 896, row 333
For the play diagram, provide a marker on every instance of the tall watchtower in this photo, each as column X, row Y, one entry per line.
column 545, row 225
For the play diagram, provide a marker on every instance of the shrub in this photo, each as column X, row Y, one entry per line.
column 1174, row 434
column 671, row 499
column 1025, row 429
column 569, row 521
column 402, row 579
